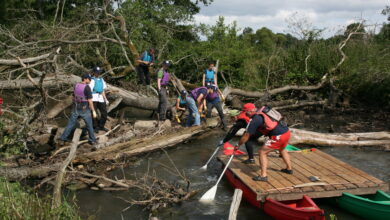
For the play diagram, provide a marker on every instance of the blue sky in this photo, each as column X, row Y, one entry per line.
column 334, row 15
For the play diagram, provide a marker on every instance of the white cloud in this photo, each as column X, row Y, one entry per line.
column 330, row 14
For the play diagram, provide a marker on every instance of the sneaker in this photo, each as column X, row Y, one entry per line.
column 94, row 145
column 249, row 161
column 103, row 129
column 286, row 171
column 260, row 178
column 62, row 142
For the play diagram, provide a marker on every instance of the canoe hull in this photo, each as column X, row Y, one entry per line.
column 304, row 209
column 365, row 207
column 247, row 193
column 277, row 210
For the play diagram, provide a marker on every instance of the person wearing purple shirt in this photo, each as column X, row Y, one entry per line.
column 213, row 100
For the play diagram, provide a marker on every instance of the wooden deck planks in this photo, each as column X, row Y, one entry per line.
column 297, row 178
column 339, row 176
column 317, row 169
column 350, row 168
column 349, row 179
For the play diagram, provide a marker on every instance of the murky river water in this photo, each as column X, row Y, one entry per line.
column 189, row 158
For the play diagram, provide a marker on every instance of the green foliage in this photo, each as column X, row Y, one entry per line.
column 11, row 143
column 19, row 203
column 254, row 60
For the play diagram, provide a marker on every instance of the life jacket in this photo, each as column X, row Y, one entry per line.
column 228, row 149
column 211, row 97
column 98, row 86
column 79, row 95
column 209, row 75
column 165, row 78
column 194, row 92
column 147, row 57
column 182, row 102
column 243, row 116
column 271, row 119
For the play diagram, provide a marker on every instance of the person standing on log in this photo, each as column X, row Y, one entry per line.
column 278, row 135
column 162, row 85
column 213, row 100
column 82, row 107
column 241, row 121
column 209, row 76
column 145, row 61
column 195, row 104
column 100, row 101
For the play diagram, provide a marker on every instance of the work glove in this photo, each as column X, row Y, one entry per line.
column 220, row 143
column 94, row 115
column 107, row 102
column 222, row 98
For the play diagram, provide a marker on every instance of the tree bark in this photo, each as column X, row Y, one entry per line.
column 59, row 107
column 128, row 98
column 299, row 136
column 60, row 175
column 16, row 62
column 137, row 146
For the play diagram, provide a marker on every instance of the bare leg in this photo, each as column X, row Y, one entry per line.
column 263, row 152
column 286, row 158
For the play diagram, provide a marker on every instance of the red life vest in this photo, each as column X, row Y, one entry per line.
column 243, row 116
column 269, row 124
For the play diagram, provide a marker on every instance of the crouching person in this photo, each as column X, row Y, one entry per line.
column 82, row 107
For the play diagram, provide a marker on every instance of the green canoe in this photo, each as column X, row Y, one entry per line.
column 375, row 207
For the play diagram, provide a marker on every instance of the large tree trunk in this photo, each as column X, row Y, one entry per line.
column 339, row 139
column 51, row 81
column 137, row 146
column 299, row 136
column 128, row 98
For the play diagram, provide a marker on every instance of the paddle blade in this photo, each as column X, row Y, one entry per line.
column 209, row 195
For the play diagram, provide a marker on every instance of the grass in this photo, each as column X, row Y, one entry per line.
column 17, row 202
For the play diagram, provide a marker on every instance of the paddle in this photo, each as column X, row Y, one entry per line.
column 205, row 166
column 210, row 194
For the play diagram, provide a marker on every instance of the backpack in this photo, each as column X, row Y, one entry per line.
column 98, row 87
column 272, row 113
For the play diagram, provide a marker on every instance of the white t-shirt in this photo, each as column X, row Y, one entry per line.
column 96, row 97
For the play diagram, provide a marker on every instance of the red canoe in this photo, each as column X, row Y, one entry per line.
column 303, row 209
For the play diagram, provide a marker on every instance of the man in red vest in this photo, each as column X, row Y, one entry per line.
column 278, row 136
column 241, row 121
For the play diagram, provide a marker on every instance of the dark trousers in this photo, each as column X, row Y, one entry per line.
column 252, row 142
column 100, row 122
column 143, row 74
column 163, row 103
column 218, row 106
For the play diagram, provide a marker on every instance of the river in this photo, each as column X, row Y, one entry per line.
column 189, row 157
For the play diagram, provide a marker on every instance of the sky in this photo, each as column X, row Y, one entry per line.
column 334, row 15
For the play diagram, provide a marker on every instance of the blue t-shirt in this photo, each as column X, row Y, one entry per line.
column 257, row 122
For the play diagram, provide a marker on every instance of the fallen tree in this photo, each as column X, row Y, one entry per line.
column 127, row 97
column 304, row 137
column 381, row 139
column 118, row 149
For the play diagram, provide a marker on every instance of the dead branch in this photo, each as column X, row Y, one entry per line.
column 16, row 62
column 60, row 175
column 254, row 94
